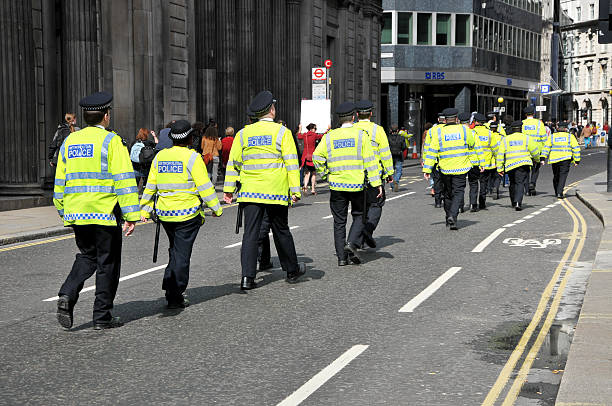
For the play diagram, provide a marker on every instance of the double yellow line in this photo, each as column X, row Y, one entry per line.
column 577, row 241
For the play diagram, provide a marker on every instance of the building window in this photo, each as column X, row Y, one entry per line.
column 386, row 28
column 578, row 14
column 443, row 29
column 404, row 28
column 462, row 30
column 604, row 76
column 576, row 80
column 592, row 11
column 589, row 82
column 424, row 29
column 592, row 44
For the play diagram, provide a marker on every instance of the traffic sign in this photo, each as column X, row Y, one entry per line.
column 544, row 88
column 319, row 73
column 328, row 63
column 540, row 108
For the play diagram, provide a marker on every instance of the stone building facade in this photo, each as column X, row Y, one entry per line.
column 170, row 59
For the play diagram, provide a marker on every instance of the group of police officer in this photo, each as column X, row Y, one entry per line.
column 485, row 152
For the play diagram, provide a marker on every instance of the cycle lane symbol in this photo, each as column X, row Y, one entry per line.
column 519, row 242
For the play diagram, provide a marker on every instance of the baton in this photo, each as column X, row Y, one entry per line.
column 157, row 226
column 238, row 213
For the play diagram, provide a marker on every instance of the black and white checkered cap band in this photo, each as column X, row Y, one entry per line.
column 96, row 108
column 181, row 135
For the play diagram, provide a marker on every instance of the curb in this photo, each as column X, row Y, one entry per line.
column 14, row 239
column 588, row 204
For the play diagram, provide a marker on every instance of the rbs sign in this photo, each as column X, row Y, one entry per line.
column 434, row 75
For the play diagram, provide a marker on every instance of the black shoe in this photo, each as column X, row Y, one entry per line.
column 64, row 311
column 517, row 207
column 462, row 209
column 473, row 208
column 293, row 277
column 532, row 192
column 482, row 206
column 342, row 262
column 247, row 283
column 438, row 205
column 180, row 304
column 113, row 323
column 367, row 238
column 265, row 267
column 351, row 250
column 451, row 223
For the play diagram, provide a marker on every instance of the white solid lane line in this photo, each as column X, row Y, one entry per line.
column 240, row 243
column 125, row 278
column 326, row 374
column 328, row 217
column 430, row 290
column 483, row 244
column 397, row 197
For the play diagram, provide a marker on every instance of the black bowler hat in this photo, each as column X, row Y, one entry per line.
column 517, row 124
column 364, row 106
column 261, row 104
column 345, row 109
column 98, row 101
column 464, row 117
column 529, row 110
column 450, row 112
column 180, row 129
column 481, row 118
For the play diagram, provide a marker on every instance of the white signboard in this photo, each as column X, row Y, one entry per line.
column 317, row 112
column 319, row 73
column 319, row 91
column 540, row 108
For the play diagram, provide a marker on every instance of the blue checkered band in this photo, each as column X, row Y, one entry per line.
column 346, row 185
column 518, row 163
column 183, row 212
column 89, row 216
column 559, row 159
column 459, row 171
column 250, row 195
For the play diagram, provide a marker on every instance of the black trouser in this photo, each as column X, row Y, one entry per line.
column 496, row 179
column 560, row 172
column 454, row 188
column 375, row 206
column 474, row 180
column 438, row 185
column 181, row 236
column 283, row 240
column 263, row 244
column 100, row 248
column 339, row 203
column 533, row 175
column 518, row 181
column 486, row 179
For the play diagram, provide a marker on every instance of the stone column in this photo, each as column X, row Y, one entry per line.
column 463, row 99
column 393, row 103
column 293, row 63
column 278, row 62
column 226, row 63
column 245, row 26
column 206, row 39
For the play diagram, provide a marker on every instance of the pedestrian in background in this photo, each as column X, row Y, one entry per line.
column 397, row 145
column 226, row 146
column 309, row 138
column 585, row 134
column 211, row 145
column 197, row 134
column 164, row 139
column 138, row 154
column 62, row 132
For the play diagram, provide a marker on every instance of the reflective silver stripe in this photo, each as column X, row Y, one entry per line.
column 146, row 196
column 293, row 168
column 260, row 156
column 241, row 138
column 359, row 141
column 180, row 192
column 173, row 186
column 191, row 162
column 270, row 165
column 151, row 186
column 346, row 168
column 229, row 184
column 294, row 189
column 318, row 158
column 234, row 164
column 216, row 207
column 290, row 156
column 385, row 149
column 279, row 138
column 146, row 208
column 374, row 178
column 369, row 159
column 210, row 197
column 329, row 148
column 343, row 158
column 231, row 173
column 207, row 185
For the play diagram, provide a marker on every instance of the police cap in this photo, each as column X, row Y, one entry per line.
column 491, row 114
column 345, row 109
column 250, row 113
column 180, row 129
column 563, row 124
column 363, row 106
column 529, row 110
column 481, row 118
column 441, row 115
column 261, row 103
column 464, row 117
column 518, row 124
column 98, row 101
column 450, row 112
column 493, row 125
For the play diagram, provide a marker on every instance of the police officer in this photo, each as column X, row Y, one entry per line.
column 179, row 178
column 536, row 130
column 487, row 146
column 95, row 189
column 342, row 155
column 453, row 147
column 435, row 170
column 264, row 159
column 382, row 152
column 473, row 174
column 493, row 118
column 495, row 179
column 561, row 149
column 517, row 151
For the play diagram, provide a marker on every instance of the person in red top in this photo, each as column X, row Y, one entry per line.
column 309, row 138
column 226, row 146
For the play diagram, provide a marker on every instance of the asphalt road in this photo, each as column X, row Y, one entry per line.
column 258, row 348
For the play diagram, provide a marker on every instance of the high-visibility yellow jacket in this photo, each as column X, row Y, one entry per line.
column 427, row 142
column 536, row 130
column 516, row 149
column 406, row 136
column 342, row 155
column 178, row 176
column 380, row 146
column 561, row 146
column 93, row 174
column 264, row 159
column 487, row 146
column 452, row 145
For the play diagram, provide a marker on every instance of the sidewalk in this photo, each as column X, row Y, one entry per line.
column 587, row 379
